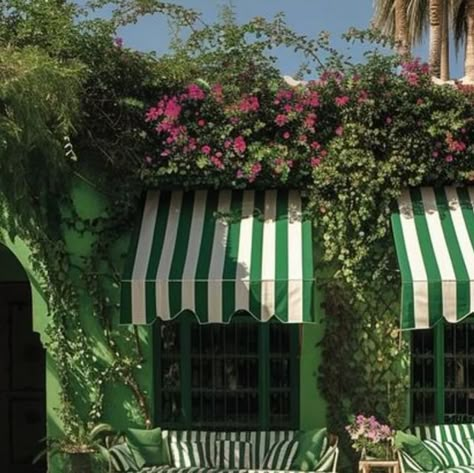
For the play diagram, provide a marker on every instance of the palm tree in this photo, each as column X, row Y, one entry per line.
column 418, row 15
column 436, row 15
column 463, row 25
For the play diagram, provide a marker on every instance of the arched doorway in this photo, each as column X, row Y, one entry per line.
column 22, row 373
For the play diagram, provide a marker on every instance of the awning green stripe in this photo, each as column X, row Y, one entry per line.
column 281, row 257
column 194, row 257
column 437, row 224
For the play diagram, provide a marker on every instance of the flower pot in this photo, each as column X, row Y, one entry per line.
column 79, row 462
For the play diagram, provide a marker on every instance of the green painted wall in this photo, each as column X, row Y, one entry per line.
column 120, row 407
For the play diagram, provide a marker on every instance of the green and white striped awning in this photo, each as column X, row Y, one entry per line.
column 215, row 253
column 434, row 239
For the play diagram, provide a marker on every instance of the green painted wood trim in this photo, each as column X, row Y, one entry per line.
column 439, row 371
column 295, row 344
column 185, row 371
column 156, row 371
column 264, row 376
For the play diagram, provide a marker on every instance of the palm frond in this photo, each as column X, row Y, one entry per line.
column 418, row 20
column 384, row 16
column 459, row 24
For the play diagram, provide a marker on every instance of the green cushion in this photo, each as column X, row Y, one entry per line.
column 417, row 450
column 146, row 446
column 310, row 448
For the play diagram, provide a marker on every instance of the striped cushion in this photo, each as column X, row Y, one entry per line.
column 281, row 455
column 186, row 454
column 456, row 453
column 436, row 449
column 233, row 454
column 409, row 464
column 326, row 463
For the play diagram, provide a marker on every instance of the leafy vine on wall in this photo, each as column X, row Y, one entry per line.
column 215, row 112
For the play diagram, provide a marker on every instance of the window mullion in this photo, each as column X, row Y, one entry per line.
column 264, row 375
column 186, row 375
column 439, row 371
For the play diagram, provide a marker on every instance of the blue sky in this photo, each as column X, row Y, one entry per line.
column 305, row 16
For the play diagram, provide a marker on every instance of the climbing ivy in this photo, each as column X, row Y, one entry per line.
column 215, row 112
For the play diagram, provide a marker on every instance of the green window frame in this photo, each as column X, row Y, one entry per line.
column 222, row 377
column 447, row 380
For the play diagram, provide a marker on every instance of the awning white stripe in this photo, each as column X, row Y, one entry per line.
column 462, row 235
column 415, row 260
column 242, row 276
column 194, row 245
column 295, row 257
column 440, row 248
column 142, row 257
column 216, row 268
column 269, row 255
column 164, row 266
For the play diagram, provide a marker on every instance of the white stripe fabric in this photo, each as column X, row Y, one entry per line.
column 164, row 266
column 233, row 454
column 192, row 255
column 142, row 257
column 268, row 269
column 440, row 248
column 415, row 260
column 216, row 253
column 434, row 237
column 218, row 259
column 281, row 455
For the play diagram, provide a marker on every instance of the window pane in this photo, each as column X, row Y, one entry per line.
column 224, row 369
column 459, row 372
column 422, row 383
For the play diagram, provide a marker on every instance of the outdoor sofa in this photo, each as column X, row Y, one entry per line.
column 229, row 452
column 447, row 448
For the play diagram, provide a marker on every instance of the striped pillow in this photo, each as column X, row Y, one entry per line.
column 281, row 455
column 469, row 444
column 456, row 453
column 437, row 451
column 187, row 454
column 232, row 454
column 326, row 463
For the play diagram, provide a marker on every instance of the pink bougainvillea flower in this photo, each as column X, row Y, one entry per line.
column 281, row 119
column 302, row 138
column 288, row 108
column 315, row 162
column 315, row 145
column 388, row 120
column 239, row 145
column 312, row 99
column 449, row 158
column 299, row 108
column 206, row 149
column 341, row 101
column 254, row 171
column 420, row 101
column 118, row 42
column 284, row 94
column 148, row 159
column 363, row 96
column 435, row 154
column 239, row 174
column 218, row 92
column 310, row 121
column 195, row 92
column 339, row 131
column 286, row 135
column 217, row 162
column 202, row 122
column 249, row 104
column 172, row 109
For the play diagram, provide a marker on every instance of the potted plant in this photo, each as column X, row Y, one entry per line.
column 372, row 439
column 85, row 451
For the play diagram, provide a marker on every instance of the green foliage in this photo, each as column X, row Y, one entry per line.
column 351, row 140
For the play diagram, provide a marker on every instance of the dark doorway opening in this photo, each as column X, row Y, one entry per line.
column 22, row 380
